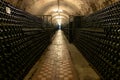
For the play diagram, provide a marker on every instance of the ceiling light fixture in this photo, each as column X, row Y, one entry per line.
column 58, row 11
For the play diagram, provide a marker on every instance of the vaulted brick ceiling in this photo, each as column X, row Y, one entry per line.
column 66, row 7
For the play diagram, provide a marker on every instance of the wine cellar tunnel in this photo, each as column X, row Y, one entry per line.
column 59, row 40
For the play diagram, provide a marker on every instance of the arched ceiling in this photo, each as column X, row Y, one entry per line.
column 50, row 7
column 66, row 7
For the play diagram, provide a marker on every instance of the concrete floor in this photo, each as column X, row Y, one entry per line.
column 62, row 61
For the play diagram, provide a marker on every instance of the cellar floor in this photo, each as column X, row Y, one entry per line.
column 61, row 61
